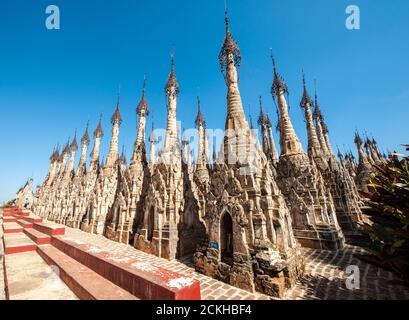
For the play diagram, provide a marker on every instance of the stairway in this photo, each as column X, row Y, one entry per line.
column 91, row 273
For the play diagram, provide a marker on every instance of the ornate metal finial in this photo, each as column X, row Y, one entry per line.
column 116, row 117
column 200, row 122
column 172, row 85
column 99, row 132
column 226, row 16
column 306, row 99
column 315, row 93
column 143, row 107
column 85, row 138
column 229, row 47
column 262, row 120
column 278, row 85
column 74, row 145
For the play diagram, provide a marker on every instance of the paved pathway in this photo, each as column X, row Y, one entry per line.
column 211, row 289
column 325, row 276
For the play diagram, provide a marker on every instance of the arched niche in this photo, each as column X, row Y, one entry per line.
column 226, row 238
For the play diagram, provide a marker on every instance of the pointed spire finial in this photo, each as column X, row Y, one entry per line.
column 278, row 85
column 306, row 99
column 262, row 120
column 273, row 60
column 85, row 138
column 143, row 106
column 315, row 92
column 116, row 117
column 99, row 132
column 172, row 81
column 144, row 84
column 199, row 118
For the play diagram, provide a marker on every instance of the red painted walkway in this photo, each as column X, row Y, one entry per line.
column 90, row 272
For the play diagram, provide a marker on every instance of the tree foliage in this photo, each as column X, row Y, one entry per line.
column 388, row 210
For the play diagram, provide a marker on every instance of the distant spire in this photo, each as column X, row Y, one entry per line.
column 85, row 138
column 123, row 157
column 152, row 137
column 99, row 132
column 56, row 154
column 66, row 148
column 172, row 81
column 199, row 118
column 306, row 99
column 278, row 85
column 262, row 120
column 74, row 145
column 116, row 117
column 358, row 140
column 143, row 103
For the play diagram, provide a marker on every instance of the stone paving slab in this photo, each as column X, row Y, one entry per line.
column 31, row 278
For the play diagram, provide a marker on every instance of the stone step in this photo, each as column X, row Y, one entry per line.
column 33, row 219
column 12, row 227
column 84, row 282
column 29, row 277
column 9, row 219
column 8, row 214
column 50, row 229
column 37, row 236
column 25, row 224
column 21, row 214
column 140, row 278
column 17, row 243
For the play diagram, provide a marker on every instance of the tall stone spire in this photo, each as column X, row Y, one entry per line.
column 142, row 111
column 201, row 129
column 73, row 150
column 289, row 142
column 229, row 59
column 139, row 152
column 85, row 140
column 98, row 134
column 314, row 148
column 262, row 121
column 202, row 173
column 116, row 121
column 172, row 91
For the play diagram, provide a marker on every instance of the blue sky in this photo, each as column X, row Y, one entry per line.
column 52, row 82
